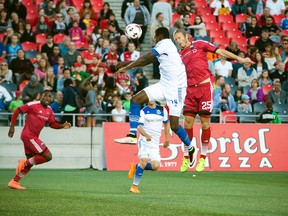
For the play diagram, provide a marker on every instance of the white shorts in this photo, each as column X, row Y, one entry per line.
column 174, row 97
column 148, row 150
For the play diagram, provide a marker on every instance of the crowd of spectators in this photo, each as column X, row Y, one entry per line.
column 71, row 48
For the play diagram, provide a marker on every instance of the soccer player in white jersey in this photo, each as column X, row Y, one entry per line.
column 171, row 87
column 150, row 127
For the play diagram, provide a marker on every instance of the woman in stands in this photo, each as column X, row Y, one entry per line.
column 40, row 71
column 264, row 79
column 271, row 56
column 259, row 64
column 49, row 81
column 42, row 26
column 4, row 20
column 6, row 74
column 254, row 29
column 239, row 7
column 105, row 12
column 199, row 27
column 87, row 7
column 79, row 59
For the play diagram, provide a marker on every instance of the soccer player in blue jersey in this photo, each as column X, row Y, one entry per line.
column 150, row 127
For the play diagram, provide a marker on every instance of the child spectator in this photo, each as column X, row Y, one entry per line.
column 238, row 96
column 75, row 33
column 255, row 92
column 15, row 103
column 123, row 85
column 42, row 27
column 77, row 74
column 40, row 71
column 28, row 34
column 50, row 81
column 284, row 22
column 264, row 78
column 118, row 113
column 244, row 106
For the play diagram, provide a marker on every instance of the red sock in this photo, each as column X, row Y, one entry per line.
column 23, row 173
column 205, row 139
column 37, row 159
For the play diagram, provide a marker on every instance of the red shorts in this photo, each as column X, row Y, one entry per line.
column 199, row 100
column 33, row 145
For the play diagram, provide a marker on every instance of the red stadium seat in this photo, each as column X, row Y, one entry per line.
column 253, row 39
column 229, row 25
column 200, row 3
column 32, row 18
column 22, row 85
column 2, row 35
column 278, row 18
column 175, row 16
column 192, row 17
column 258, row 17
column 208, row 17
column 233, row 33
column 97, row 6
column 216, row 33
column 82, row 45
column 228, row 117
column 212, row 25
column 203, row 10
column 31, row 7
column 38, row 2
column 221, row 41
column 266, row 89
column 89, row 30
column 58, row 38
column 239, row 40
column 224, row 18
column 240, row 18
column 104, row 23
column 29, row 46
column 285, row 32
column 78, row 6
column 41, row 38
column 39, row 46
column 243, row 48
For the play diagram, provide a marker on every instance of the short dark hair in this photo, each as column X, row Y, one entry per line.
column 158, row 14
column 45, row 91
column 162, row 31
column 269, row 105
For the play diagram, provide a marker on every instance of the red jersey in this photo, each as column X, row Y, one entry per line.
column 195, row 60
column 37, row 116
column 89, row 56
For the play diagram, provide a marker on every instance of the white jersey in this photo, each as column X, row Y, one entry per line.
column 172, row 69
column 151, row 119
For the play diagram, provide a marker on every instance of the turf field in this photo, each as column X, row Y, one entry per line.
column 89, row 192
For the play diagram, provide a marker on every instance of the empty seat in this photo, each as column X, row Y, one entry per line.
column 280, row 108
column 228, row 117
column 247, row 117
column 259, row 107
column 29, row 46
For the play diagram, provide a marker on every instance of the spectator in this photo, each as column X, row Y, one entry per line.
column 87, row 8
column 255, row 7
column 81, row 24
column 70, row 13
column 254, row 29
column 255, row 92
column 157, row 23
column 283, row 24
column 271, row 56
column 224, row 100
column 140, row 80
column 88, row 21
column 123, row 85
column 4, row 20
column 260, row 64
column 274, row 31
column 264, row 39
column 140, row 15
column 264, row 78
column 111, row 57
column 13, row 48
column 20, row 29
column 47, row 49
column 100, row 103
column 280, row 73
column 91, row 103
column 221, row 7
column 239, row 7
column 276, row 6
column 56, row 105
column 75, row 33
column 223, row 67
column 269, row 116
column 15, row 103
column 105, row 12
column 238, row 96
column 31, row 89
column 125, row 5
column 53, row 59
column 218, row 84
column 112, row 20
column 244, row 25
column 185, row 7
column 106, row 34
column 59, row 26
column 49, row 81
column 186, row 24
column 266, row 14
column 19, row 8
column 233, row 48
column 99, row 46
column 42, row 27
column 61, row 80
column 5, row 98
column 246, row 74
column 237, row 65
column 126, row 101
column 93, row 67
column 244, row 106
column 118, row 113
column 28, row 34
column 162, row 7
column 199, row 27
column 40, row 71
column 15, row 20
column 102, row 76
column 58, row 68
column 96, row 34
column 6, row 74
column 50, row 10
column 277, row 95
column 122, row 46
column 64, row 47
column 71, row 56
column 87, row 57
column 77, row 74
column 114, row 33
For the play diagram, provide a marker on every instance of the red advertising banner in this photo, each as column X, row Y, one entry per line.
column 233, row 147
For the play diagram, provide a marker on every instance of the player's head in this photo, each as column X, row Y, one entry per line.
column 161, row 33
column 46, row 98
column 152, row 104
column 181, row 38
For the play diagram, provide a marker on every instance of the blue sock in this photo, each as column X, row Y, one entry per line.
column 148, row 166
column 182, row 134
column 134, row 115
column 138, row 175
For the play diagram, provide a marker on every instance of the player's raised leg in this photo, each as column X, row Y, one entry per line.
column 134, row 113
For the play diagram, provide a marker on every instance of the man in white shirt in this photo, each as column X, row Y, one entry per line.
column 164, row 7
column 223, row 67
column 276, row 6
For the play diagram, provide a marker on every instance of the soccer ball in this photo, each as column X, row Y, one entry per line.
column 133, row 31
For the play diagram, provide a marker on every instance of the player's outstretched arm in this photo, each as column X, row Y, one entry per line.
column 13, row 121
column 167, row 134
column 230, row 55
column 141, row 62
column 143, row 133
column 56, row 125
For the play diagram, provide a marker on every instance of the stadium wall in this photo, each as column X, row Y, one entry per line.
column 70, row 148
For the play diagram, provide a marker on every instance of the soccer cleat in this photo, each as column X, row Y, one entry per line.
column 15, row 185
column 20, row 166
column 185, row 165
column 129, row 139
column 132, row 170
column 201, row 165
column 134, row 189
column 191, row 158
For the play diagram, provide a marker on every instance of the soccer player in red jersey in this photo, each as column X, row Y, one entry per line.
column 199, row 97
column 38, row 113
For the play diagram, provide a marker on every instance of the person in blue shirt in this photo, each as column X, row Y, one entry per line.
column 284, row 22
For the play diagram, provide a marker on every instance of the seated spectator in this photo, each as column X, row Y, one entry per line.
column 56, row 106
column 31, row 89
column 186, row 24
column 96, row 34
column 266, row 14
column 254, row 29
column 118, row 113
column 280, row 73
column 111, row 57
column 276, row 6
column 102, row 76
column 112, row 20
column 100, row 103
column 220, row 7
column 40, row 71
column 81, row 24
column 277, row 95
column 225, row 100
column 4, row 20
column 47, row 49
column 15, row 103
column 123, row 85
column 255, row 92
column 114, row 32
column 244, row 25
column 131, row 55
column 223, row 67
column 87, row 8
column 58, row 68
column 284, row 22
column 87, row 20
column 93, row 67
column 140, row 81
column 233, row 48
column 77, row 74
column 99, row 46
column 64, row 47
column 80, row 60
column 13, row 48
column 239, row 7
column 49, row 81
column 126, row 101
column 105, row 12
column 111, row 101
column 251, row 52
column 260, row 64
column 28, row 35
column 246, row 74
column 5, row 98
column 15, row 20
column 122, row 45
column 61, row 80
column 20, row 28
column 237, row 65
column 268, row 116
column 244, row 106
column 263, row 40
column 75, row 33
column 255, row 7
column 264, row 79
column 218, row 84
column 50, row 9
column 238, row 96
column 59, row 26
column 274, row 31
column 42, row 27
column 185, row 7
column 198, row 27
column 6, row 74
column 88, row 57
column 53, row 59
column 271, row 56
column 71, row 56
column 70, row 13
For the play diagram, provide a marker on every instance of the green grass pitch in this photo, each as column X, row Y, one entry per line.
column 89, row 192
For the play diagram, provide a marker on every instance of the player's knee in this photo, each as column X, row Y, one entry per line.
column 174, row 126
column 205, row 125
column 155, row 166
column 48, row 156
